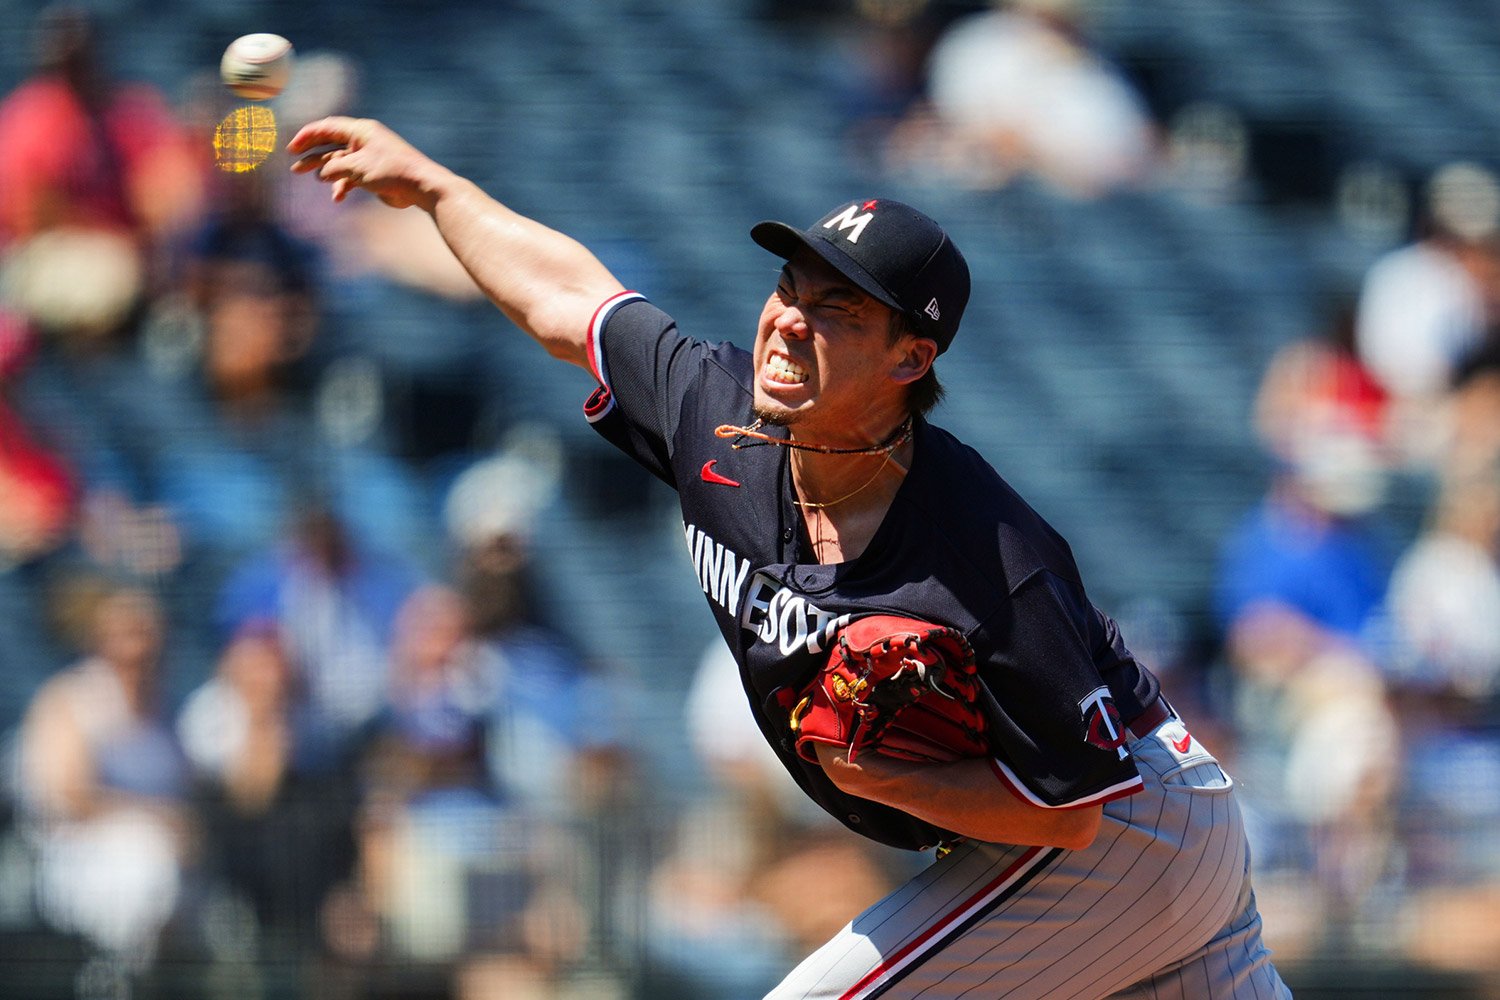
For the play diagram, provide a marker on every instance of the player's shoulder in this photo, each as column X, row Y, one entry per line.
column 981, row 515
column 960, row 480
column 633, row 323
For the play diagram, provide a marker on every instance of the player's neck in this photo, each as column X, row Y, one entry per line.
column 832, row 481
column 844, row 498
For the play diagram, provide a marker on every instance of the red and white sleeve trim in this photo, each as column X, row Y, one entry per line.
column 595, row 343
column 1019, row 790
column 598, row 405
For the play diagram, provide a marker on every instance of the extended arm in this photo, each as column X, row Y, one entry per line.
column 963, row 796
column 547, row 283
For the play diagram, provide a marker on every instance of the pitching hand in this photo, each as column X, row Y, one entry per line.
column 367, row 155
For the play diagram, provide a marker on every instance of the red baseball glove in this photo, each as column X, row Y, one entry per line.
column 896, row 686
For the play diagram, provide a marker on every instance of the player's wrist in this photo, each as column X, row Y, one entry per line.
column 873, row 776
column 435, row 184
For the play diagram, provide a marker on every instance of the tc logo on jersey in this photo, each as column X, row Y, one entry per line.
column 1103, row 726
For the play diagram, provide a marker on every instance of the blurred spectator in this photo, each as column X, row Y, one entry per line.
column 496, row 501
column 1303, row 568
column 731, row 747
column 1018, row 90
column 1299, row 598
column 558, row 722
column 237, row 728
column 135, row 541
column 1318, row 386
column 454, row 864
column 438, row 702
column 241, row 416
column 429, row 817
column 277, row 819
column 1445, row 594
column 251, row 284
column 204, row 412
column 37, row 489
column 36, row 494
column 1426, row 307
column 556, row 730
column 1473, row 444
column 757, row 876
column 73, row 438
column 80, row 152
column 556, row 753
column 335, row 604
column 1445, row 618
column 85, row 318
column 1340, row 779
column 888, row 43
column 103, row 786
column 71, row 448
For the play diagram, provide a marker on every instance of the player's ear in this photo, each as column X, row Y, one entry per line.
column 915, row 360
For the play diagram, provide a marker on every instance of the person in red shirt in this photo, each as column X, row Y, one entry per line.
column 80, row 151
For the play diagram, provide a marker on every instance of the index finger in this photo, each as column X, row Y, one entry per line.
column 336, row 131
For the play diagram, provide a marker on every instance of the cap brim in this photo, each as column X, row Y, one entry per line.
column 784, row 241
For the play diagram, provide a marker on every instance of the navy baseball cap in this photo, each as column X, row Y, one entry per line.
column 891, row 251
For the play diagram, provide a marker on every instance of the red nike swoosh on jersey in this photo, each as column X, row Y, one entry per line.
column 1181, row 746
column 710, row 476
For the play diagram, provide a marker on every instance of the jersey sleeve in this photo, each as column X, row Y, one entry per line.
column 1058, row 735
column 646, row 370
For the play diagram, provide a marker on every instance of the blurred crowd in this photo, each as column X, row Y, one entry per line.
column 1360, row 599
column 307, row 723
column 305, row 705
column 979, row 94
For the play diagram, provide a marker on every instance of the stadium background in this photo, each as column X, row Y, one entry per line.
column 1109, row 364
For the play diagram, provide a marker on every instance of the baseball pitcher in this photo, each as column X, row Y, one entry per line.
column 913, row 639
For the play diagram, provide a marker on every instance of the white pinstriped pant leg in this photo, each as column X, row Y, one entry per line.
column 1160, row 901
column 1233, row 964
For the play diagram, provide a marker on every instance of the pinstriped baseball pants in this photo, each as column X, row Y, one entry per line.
column 1159, row 907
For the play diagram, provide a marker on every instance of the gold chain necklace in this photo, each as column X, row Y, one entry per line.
column 809, row 505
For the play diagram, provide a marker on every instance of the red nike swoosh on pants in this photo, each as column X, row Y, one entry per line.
column 710, row 476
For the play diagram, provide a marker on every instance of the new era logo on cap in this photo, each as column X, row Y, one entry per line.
column 893, row 252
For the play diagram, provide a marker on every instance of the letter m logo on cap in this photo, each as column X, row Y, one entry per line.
column 848, row 220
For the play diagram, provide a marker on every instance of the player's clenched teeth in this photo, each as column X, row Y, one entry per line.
column 779, row 369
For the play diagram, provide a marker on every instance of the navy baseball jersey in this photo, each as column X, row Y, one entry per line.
column 958, row 547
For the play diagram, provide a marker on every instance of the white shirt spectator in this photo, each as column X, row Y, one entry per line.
column 1420, row 312
column 1040, row 97
column 1445, row 605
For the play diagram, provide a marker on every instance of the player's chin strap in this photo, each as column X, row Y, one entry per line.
column 897, row 438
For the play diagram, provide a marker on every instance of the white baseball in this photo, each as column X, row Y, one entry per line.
column 257, row 67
